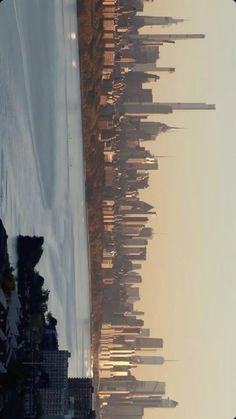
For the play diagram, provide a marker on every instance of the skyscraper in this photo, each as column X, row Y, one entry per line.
column 81, row 389
column 150, row 388
column 148, row 360
column 139, row 21
column 166, row 37
column 143, row 342
column 163, row 107
column 55, row 397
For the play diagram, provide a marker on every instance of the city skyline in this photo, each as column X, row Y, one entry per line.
column 195, row 201
column 173, row 94
column 118, row 291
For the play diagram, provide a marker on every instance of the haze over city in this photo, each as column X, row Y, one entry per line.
column 173, row 268
column 117, row 215
column 191, row 263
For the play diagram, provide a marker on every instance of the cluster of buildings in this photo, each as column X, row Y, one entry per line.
column 62, row 397
column 129, row 63
column 33, row 371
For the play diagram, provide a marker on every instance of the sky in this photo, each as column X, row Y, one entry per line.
column 189, row 279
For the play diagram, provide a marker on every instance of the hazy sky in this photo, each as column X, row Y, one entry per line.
column 189, row 286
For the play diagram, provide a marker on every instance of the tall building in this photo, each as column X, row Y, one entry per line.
column 132, row 387
column 139, row 21
column 149, row 130
column 165, row 69
column 81, row 389
column 130, row 412
column 163, row 107
column 54, row 401
column 154, row 401
column 132, row 4
column 166, row 37
column 143, row 67
column 148, row 360
column 145, row 108
column 55, row 397
column 149, row 388
column 143, row 342
column 122, row 406
column 55, row 363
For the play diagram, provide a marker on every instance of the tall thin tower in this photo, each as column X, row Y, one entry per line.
column 163, row 107
column 154, row 21
column 166, row 37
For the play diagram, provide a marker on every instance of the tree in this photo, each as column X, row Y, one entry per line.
column 52, row 322
column 8, row 284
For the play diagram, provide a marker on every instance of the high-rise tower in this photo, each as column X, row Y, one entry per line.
column 139, row 21
column 142, row 67
column 142, row 343
column 166, row 37
column 163, row 107
column 148, row 360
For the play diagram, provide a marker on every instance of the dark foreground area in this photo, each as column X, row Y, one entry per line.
column 25, row 324
column 34, row 379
